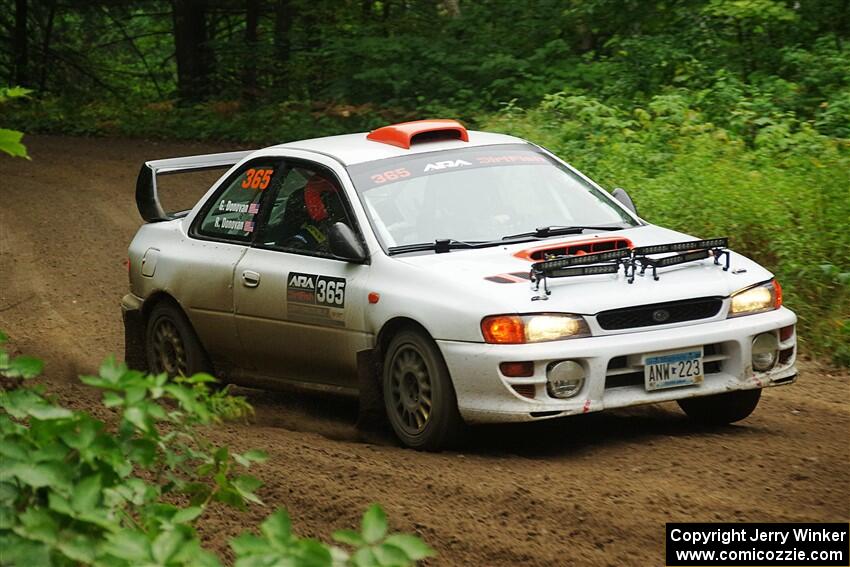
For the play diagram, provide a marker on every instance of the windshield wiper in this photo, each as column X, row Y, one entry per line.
column 554, row 230
column 441, row 245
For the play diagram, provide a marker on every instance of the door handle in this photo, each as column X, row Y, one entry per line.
column 250, row 279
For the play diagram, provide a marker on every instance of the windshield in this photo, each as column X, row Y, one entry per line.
column 477, row 194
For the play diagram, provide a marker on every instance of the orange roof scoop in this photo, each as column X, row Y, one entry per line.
column 405, row 134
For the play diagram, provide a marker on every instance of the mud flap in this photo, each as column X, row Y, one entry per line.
column 370, row 414
column 134, row 340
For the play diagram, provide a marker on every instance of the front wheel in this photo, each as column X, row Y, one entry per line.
column 721, row 409
column 171, row 346
column 418, row 394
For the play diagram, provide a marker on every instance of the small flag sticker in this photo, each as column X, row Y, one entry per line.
column 248, row 226
column 254, row 208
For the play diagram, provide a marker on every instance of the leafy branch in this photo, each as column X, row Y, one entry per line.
column 10, row 140
column 76, row 490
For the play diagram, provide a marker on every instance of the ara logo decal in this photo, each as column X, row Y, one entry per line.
column 445, row 164
column 301, row 281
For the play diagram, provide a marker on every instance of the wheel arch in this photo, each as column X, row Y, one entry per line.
column 155, row 299
column 392, row 327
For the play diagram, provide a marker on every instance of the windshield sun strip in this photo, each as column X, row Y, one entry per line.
column 355, row 172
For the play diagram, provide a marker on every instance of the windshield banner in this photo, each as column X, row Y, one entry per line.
column 386, row 171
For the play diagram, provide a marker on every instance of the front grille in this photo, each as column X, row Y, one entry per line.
column 659, row 313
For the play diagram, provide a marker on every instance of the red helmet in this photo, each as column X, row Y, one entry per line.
column 315, row 190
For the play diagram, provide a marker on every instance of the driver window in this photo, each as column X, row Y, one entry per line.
column 233, row 213
column 307, row 203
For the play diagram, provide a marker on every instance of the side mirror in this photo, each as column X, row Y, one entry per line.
column 622, row 195
column 344, row 243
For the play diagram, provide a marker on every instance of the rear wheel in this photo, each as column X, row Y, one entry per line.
column 721, row 409
column 418, row 394
column 171, row 345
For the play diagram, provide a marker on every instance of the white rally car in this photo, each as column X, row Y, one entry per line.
column 453, row 276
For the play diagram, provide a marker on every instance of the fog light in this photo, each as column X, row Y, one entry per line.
column 564, row 379
column 765, row 352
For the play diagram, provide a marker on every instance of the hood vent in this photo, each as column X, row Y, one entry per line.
column 406, row 134
column 573, row 248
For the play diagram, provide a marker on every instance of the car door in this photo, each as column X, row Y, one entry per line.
column 299, row 311
column 220, row 235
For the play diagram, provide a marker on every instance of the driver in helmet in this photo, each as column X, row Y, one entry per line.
column 323, row 207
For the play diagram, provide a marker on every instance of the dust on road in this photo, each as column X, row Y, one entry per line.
column 593, row 490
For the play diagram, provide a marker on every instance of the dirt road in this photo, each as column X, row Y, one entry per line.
column 595, row 490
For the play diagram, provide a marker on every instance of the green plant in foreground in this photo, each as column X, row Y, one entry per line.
column 77, row 490
column 10, row 140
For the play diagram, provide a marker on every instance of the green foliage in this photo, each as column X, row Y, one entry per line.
column 775, row 186
column 374, row 547
column 220, row 120
column 10, row 140
column 76, row 490
column 756, row 12
column 113, row 65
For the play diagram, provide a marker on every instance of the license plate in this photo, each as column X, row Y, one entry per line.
column 663, row 370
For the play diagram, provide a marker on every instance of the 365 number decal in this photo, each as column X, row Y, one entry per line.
column 330, row 291
column 391, row 175
column 257, row 178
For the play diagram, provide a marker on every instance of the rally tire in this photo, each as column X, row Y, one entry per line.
column 171, row 345
column 419, row 397
column 721, row 409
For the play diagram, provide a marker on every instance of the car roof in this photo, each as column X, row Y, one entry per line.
column 351, row 149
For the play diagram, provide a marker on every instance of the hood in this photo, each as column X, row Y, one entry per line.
column 501, row 273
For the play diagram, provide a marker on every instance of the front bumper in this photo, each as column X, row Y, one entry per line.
column 612, row 368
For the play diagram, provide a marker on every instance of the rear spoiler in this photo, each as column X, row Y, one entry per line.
column 147, row 198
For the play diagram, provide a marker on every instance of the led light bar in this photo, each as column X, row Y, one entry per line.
column 583, row 260
column 682, row 246
column 675, row 259
column 583, row 271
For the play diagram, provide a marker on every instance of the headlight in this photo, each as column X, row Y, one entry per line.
column 518, row 329
column 756, row 299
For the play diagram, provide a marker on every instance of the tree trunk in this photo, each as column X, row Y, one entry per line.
column 587, row 41
column 841, row 24
column 366, row 10
column 386, row 23
column 249, row 80
column 20, row 64
column 45, row 45
column 282, row 26
column 191, row 49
